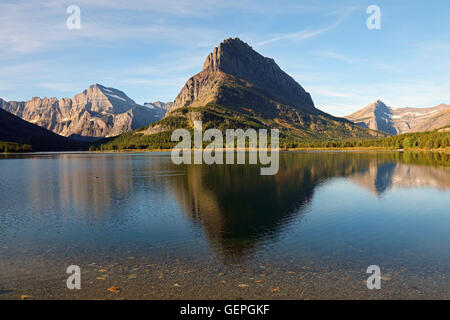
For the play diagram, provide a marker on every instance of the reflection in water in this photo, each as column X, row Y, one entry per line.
column 383, row 177
column 70, row 183
column 380, row 176
column 239, row 209
column 81, row 184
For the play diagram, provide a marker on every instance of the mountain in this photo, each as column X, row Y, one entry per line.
column 159, row 104
column 158, row 107
column 234, row 67
column 378, row 116
column 14, row 129
column 239, row 88
column 96, row 112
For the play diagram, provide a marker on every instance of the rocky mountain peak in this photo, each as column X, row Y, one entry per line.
column 380, row 107
column 379, row 116
column 379, row 104
column 103, row 99
column 228, row 56
column 96, row 112
column 233, row 57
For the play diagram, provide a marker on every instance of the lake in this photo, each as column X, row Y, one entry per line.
column 161, row 231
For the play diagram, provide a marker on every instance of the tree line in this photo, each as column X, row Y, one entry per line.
column 417, row 140
column 410, row 141
column 6, row 147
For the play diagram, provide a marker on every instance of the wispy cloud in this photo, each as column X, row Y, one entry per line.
column 307, row 33
column 336, row 56
column 59, row 86
column 29, row 27
column 316, row 91
column 186, row 63
column 386, row 66
column 298, row 35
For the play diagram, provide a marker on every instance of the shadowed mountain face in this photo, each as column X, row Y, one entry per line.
column 14, row 129
column 378, row 116
column 95, row 113
column 239, row 88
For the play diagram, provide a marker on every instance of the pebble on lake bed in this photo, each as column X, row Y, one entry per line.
column 114, row 289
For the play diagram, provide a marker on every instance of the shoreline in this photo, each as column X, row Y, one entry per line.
column 355, row 149
column 149, row 277
column 446, row 150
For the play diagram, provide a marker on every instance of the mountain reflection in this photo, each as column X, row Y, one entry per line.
column 382, row 175
column 236, row 208
column 240, row 210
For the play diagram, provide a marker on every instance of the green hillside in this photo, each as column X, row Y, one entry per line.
column 300, row 127
column 436, row 139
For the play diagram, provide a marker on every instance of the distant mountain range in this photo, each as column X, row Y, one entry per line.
column 97, row 112
column 239, row 88
column 14, row 129
column 236, row 88
column 378, row 116
column 159, row 105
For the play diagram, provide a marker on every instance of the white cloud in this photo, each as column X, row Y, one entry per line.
column 191, row 63
column 329, row 93
column 297, row 35
column 308, row 33
column 59, row 86
column 386, row 67
column 156, row 82
column 336, row 56
column 30, row 27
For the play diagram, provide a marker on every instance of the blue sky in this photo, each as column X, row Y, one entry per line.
column 149, row 49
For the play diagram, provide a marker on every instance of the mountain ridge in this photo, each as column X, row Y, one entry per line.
column 379, row 116
column 238, row 88
column 14, row 129
column 96, row 112
column 234, row 59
